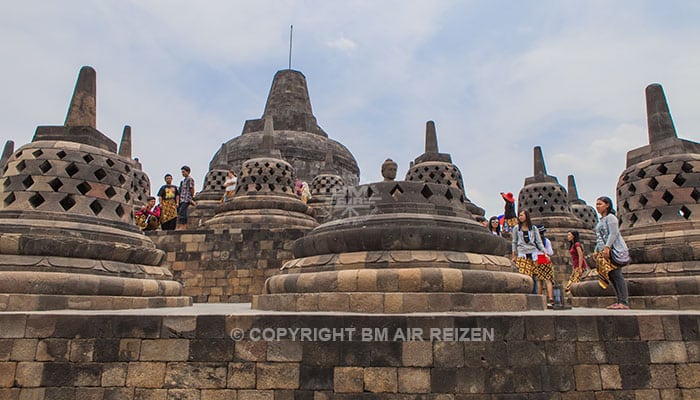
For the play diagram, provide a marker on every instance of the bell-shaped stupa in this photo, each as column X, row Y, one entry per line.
column 67, row 234
column 435, row 167
column 324, row 187
column 141, row 182
column 547, row 202
column 659, row 215
column 396, row 247
column 581, row 210
column 298, row 137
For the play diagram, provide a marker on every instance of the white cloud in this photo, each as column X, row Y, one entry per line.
column 343, row 44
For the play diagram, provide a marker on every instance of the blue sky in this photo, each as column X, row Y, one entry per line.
column 497, row 77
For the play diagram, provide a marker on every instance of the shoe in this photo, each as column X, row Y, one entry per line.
column 620, row 306
column 613, row 306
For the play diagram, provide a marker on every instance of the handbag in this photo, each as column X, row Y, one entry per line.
column 620, row 257
column 542, row 259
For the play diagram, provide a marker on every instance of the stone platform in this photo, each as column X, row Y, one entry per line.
column 229, row 351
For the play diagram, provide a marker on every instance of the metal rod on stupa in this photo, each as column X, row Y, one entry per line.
column 431, row 144
column 125, row 145
column 540, row 168
column 659, row 121
column 83, row 109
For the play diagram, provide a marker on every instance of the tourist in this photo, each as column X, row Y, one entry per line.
column 186, row 197
column 509, row 217
column 229, row 186
column 167, row 199
column 494, row 226
column 578, row 261
column 526, row 243
column 544, row 269
column 609, row 245
column 298, row 186
column 148, row 217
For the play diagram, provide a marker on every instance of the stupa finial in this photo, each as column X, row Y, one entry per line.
column 572, row 192
column 125, row 145
column 431, row 143
column 83, row 109
column 540, row 168
column 659, row 121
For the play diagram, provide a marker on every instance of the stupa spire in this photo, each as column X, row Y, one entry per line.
column 431, row 143
column 83, row 110
column 540, row 168
column 6, row 153
column 572, row 192
column 125, row 145
column 659, row 121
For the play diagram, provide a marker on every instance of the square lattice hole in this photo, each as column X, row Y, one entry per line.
column 28, row 182
column 687, row 167
column 45, row 167
column 67, row 202
column 72, row 169
column 88, row 158
column 426, row 192
column 55, row 184
column 119, row 211
column 9, row 200
column 110, row 192
column 6, row 182
column 668, row 197
column 61, row 155
column 37, row 153
column 643, row 200
column 679, row 180
column 695, row 195
column 84, row 188
column 21, row 166
column 662, row 169
column 656, row 215
column 36, row 200
column 684, row 212
column 110, row 162
column 653, row 183
column 100, row 174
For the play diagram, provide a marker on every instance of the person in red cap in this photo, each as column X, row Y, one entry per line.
column 509, row 215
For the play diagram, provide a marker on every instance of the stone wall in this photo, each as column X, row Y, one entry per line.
column 124, row 357
column 224, row 266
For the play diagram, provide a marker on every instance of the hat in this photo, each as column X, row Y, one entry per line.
column 508, row 197
column 541, row 228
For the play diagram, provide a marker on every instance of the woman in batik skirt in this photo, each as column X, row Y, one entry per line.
column 526, row 243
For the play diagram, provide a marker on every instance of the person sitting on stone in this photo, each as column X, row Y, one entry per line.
column 229, row 186
column 305, row 192
column 389, row 168
column 148, row 217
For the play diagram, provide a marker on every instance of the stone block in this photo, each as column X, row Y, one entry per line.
column 5, row 349
column 89, row 393
column 28, row 374
column 114, row 374
column 635, row 376
column 647, row 394
column 315, row 378
column 591, row 352
column 688, row 375
column 663, row 376
column 540, row 328
column 348, row 380
column 246, row 350
column 32, row 394
column 241, row 376
column 129, row 349
column 256, row 395
column 183, row 394
column 82, row 350
column 417, row 354
column 87, row 374
column 414, row 380
column 219, row 394
column 7, row 374
column 650, row 327
column 52, row 350
column 671, row 394
column 195, row 375
column 40, row 326
column 667, row 352
column 24, row 349
column 366, row 302
column 284, row 351
column 448, row 354
column 672, row 327
column 526, row 353
column 587, row 377
column 277, row 376
column 150, row 394
column 610, row 377
column 179, row 326
column 381, row 379
column 164, row 350
column 561, row 352
column 145, row 374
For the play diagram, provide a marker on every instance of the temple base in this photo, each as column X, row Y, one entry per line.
column 666, row 302
column 43, row 302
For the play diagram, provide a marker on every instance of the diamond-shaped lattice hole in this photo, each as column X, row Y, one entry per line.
column 633, row 219
column 662, row 169
column 695, row 195
column 72, row 169
column 84, row 188
column 461, row 199
column 122, row 179
column 643, row 200
column 9, row 199
column 37, row 153
column 119, row 210
column 653, row 183
column 55, row 184
column 625, row 178
column 687, row 167
column 271, row 186
column 684, row 212
column 641, row 173
column 632, row 188
column 668, row 197
column 28, row 182
column 88, row 158
column 61, row 155
column 111, row 163
column 36, row 200
column 541, row 209
column 626, row 205
column 100, row 174
column 656, row 215
column 448, row 194
column 110, row 192
column 21, row 166
column 127, row 197
column 679, row 180
column 258, row 187
column 370, row 192
column 6, row 182
column 67, row 202
column 96, row 207
column 45, row 166
column 426, row 192
column 396, row 192
column 18, row 154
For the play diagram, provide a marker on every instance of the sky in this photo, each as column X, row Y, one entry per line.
column 497, row 77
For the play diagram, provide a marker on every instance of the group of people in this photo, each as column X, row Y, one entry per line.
column 532, row 251
column 173, row 204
